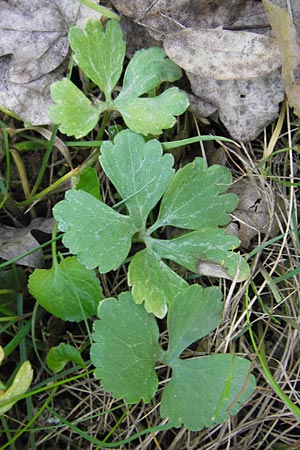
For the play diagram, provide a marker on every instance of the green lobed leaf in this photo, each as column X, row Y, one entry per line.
column 58, row 357
column 204, row 391
column 153, row 114
column 139, row 171
column 89, row 182
column 19, row 386
column 198, row 249
column 125, row 349
column 72, row 110
column 153, row 282
column 95, row 232
column 193, row 314
column 146, row 70
column 68, row 290
column 100, row 54
column 193, row 198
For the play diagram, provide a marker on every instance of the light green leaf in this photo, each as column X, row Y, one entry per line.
column 125, row 349
column 193, row 198
column 193, row 314
column 68, row 290
column 139, row 171
column 58, row 357
column 146, row 70
column 99, row 53
column 72, row 110
column 89, row 182
column 95, row 232
column 197, row 249
column 204, row 391
column 153, row 114
column 153, row 282
column 19, row 386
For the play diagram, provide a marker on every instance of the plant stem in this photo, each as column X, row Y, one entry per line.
column 23, row 177
column 100, row 9
column 45, row 161
column 53, row 245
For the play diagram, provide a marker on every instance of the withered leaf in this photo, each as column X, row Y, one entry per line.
column 285, row 32
column 255, row 212
column 16, row 241
column 223, row 54
column 33, row 50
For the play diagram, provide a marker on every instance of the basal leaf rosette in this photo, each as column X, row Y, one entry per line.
column 100, row 54
column 193, row 199
column 203, row 391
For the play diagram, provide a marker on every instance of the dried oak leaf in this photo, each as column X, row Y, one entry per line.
column 33, row 50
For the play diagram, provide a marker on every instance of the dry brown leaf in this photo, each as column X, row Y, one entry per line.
column 16, row 241
column 245, row 106
column 33, row 50
column 161, row 17
column 285, row 32
column 223, row 54
column 254, row 214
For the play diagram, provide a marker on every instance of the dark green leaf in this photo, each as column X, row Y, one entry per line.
column 58, row 357
column 193, row 314
column 204, row 391
column 68, row 290
column 89, row 182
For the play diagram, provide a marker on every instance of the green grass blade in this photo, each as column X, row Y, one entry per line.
column 263, row 361
column 193, row 140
